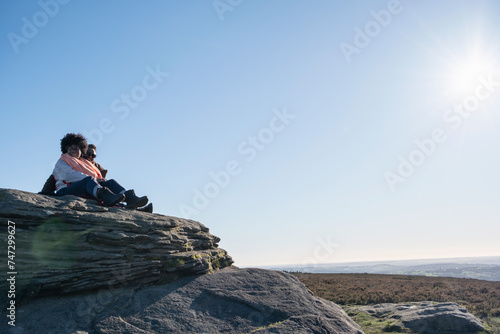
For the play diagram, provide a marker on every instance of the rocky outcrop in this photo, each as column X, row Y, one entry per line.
column 227, row 301
column 69, row 244
column 428, row 317
column 82, row 268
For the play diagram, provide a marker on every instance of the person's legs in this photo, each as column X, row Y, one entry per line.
column 90, row 186
column 113, row 186
column 86, row 186
column 132, row 200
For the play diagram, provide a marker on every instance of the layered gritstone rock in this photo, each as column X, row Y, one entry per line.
column 70, row 244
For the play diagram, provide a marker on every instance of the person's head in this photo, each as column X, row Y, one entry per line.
column 74, row 144
column 91, row 152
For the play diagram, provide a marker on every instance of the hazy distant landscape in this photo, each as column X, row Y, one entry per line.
column 484, row 268
column 479, row 297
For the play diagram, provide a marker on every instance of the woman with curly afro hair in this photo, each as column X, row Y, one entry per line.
column 77, row 176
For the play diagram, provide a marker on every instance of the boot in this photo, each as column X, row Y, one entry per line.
column 148, row 208
column 108, row 197
column 133, row 202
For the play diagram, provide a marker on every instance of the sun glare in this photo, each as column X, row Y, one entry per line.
column 463, row 75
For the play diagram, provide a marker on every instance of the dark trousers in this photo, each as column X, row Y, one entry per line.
column 113, row 186
column 87, row 185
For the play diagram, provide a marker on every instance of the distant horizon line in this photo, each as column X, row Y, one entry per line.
column 373, row 261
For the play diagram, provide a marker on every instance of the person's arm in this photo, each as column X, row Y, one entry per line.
column 63, row 172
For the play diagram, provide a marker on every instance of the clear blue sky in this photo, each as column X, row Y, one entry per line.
column 174, row 92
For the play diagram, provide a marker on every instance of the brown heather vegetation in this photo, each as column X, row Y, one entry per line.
column 481, row 298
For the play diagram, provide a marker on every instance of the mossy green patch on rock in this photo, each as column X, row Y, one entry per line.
column 374, row 325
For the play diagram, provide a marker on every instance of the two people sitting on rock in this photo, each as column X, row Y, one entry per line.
column 76, row 175
column 49, row 188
